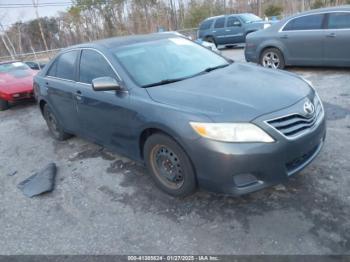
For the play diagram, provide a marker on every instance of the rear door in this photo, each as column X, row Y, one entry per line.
column 61, row 87
column 303, row 39
column 103, row 115
column 219, row 31
column 337, row 39
column 234, row 30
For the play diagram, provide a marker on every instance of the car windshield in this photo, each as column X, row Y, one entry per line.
column 248, row 18
column 8, row 67
column 167, row 60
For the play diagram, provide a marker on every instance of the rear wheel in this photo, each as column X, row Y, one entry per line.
column 4, row 105
column 169, row 165
column 272, row 58
column 56, row 130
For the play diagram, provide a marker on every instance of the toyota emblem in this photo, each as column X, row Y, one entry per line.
column 309, row 108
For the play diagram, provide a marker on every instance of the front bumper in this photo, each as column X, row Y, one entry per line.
column 18, row 96
column 218, row 164
column 251, row 54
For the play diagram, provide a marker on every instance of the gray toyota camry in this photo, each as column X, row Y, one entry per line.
column 195, row 118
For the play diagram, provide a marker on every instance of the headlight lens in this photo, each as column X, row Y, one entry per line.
column 232, row 132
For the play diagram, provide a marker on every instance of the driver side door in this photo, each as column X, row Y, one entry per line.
column 104, row 115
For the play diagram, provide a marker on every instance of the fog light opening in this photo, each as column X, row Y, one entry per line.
column 244, row 180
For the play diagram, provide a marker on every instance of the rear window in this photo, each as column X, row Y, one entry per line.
column 206, row 25
column 339, row 21
column 310, row 22
column 66, row 65
column 220, row 23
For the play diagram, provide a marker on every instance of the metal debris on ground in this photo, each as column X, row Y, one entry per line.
column 41, row 182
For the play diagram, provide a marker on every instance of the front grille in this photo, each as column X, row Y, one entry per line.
column 294, row 125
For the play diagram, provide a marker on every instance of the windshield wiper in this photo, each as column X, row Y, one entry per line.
column 165, row 81
column 169, row 81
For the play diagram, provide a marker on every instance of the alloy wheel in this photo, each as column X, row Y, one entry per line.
column 271, row 60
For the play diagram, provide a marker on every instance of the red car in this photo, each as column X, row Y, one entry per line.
column 16, row 83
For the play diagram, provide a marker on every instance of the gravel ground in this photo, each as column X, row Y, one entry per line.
column 106, row 204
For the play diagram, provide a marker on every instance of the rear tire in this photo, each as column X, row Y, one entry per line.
column 272, row 58
column 169, row 165
column 55, row 128
column 4, row 105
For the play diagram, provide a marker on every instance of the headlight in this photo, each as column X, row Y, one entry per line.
column 267, row 26
column 232, row 132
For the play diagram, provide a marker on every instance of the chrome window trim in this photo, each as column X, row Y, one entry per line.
column 308, row 30
column 58, row 78
column 86, row 48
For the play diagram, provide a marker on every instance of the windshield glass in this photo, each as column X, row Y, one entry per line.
column 8, row 67
column 248, row 18
column 166, row 60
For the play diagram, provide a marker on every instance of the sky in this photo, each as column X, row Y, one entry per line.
column 15, row 10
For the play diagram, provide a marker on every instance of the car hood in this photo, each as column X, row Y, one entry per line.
column 16, row 81
column 239, row 92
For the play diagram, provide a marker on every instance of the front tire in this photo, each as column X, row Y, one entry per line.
column 211, row 39
column 272, row 58
column 169, row 165
column 4, row 105
column 55, row 128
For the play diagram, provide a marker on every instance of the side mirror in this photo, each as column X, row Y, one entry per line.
column 237, row 23
column 105, row 84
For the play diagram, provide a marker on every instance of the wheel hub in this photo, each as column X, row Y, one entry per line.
column 168, row 165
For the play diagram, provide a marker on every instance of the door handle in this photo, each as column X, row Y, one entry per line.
column 331, row 35
column 78, row 95
column 228, row 30
column 284, row 37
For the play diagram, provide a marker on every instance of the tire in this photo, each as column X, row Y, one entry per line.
column 211, row 39
column 169, row 166
column 4, row 105
column 55, row 128
column 272, row 58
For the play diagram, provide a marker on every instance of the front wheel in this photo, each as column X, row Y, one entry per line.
column 211, row 39
column 272, row 58
column 4, row 105
column 169, row 165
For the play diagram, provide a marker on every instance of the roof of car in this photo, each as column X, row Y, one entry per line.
column 323, row 10
column 127, row 40
column 219, row 16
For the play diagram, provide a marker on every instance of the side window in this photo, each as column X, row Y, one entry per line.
column 206, row 25
column 339, row 21
column 220, row 22
column 233, row 21
column 93, row 65
column 309, row 22
column 52, row 70
column 66, row 65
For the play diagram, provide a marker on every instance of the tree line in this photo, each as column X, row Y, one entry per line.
column 88, row 20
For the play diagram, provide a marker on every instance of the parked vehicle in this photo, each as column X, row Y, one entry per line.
column 230, row 29
column 16, row 83
column 315, row 38
column 35, row 65
column 193, row 117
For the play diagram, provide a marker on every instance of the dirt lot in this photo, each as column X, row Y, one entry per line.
column 106, row 204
